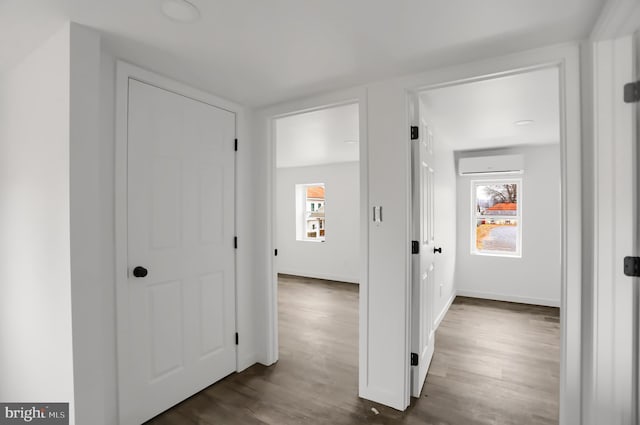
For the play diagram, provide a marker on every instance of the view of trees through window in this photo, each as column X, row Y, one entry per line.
column 497, row 218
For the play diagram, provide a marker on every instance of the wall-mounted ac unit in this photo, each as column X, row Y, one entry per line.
column 486, row 165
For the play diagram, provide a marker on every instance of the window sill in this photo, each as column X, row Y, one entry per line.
column 496, row 254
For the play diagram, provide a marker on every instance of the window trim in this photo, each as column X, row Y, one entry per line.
column 474, row 217
column 302, row 211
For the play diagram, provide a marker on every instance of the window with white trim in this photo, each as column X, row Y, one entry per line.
column 310, row 212
column 496, row 227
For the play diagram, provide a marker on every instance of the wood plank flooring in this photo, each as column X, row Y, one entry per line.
column 494, row 363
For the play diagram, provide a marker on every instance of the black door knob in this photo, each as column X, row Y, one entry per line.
column 437, row 250
column 140, row 271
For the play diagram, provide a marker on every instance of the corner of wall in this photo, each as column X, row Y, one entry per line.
column 36, row 363
column 588, row 222
column 86, row 234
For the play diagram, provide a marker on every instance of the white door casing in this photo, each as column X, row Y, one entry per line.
column 423, row 262
column 636, row 219
column 180, row 318
column 615, row 308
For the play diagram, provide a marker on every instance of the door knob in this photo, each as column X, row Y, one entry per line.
column 437, row 250
column 140, row 271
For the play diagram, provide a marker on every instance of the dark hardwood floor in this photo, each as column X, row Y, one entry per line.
column 494, row 363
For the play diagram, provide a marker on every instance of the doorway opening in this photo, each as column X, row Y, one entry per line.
column 316, row 228
column 491, row 268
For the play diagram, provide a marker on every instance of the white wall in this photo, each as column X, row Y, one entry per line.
column 588, row 224
column 88, row 277
column 51, row 149
column 35, row 276
column 386, row 346
column 536, row 277
column 338, row 257
column 108, row 385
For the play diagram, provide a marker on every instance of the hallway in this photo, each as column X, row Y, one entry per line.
column 495, row 363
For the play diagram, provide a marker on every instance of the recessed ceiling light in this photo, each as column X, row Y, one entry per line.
column 351, row 142
column 523, row 122
column 180, row 10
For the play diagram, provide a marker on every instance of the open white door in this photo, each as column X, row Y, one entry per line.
column 177, row 321
column 423, row 248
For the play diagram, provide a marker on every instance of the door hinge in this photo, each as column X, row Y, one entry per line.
column 415, row 247
column 235, row 145
column 235, row 242
column 632, row 266
column 237, row 339
column 414, row 359
column 632, row 92
column 275, row 252
column 414, row 132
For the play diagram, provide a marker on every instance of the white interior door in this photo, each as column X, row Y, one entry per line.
column 180, row 324
column 423, row 264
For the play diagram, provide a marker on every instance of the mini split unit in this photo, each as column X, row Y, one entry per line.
column 484, row 165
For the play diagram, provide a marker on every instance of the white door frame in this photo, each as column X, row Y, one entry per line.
column 566, row 57
column 349, row 97
column 613, row 394
column 613, row 350
column 569, row 288
column 124, row 72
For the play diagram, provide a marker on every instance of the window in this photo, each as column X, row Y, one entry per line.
column 497, row 217
column 310, row 205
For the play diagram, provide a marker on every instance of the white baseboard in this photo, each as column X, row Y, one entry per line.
column 324, row 276
column 509, row 298
column 444, row 311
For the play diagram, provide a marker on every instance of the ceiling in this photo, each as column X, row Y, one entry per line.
column 482, row 115
column 327, row 136
column 263, row 52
